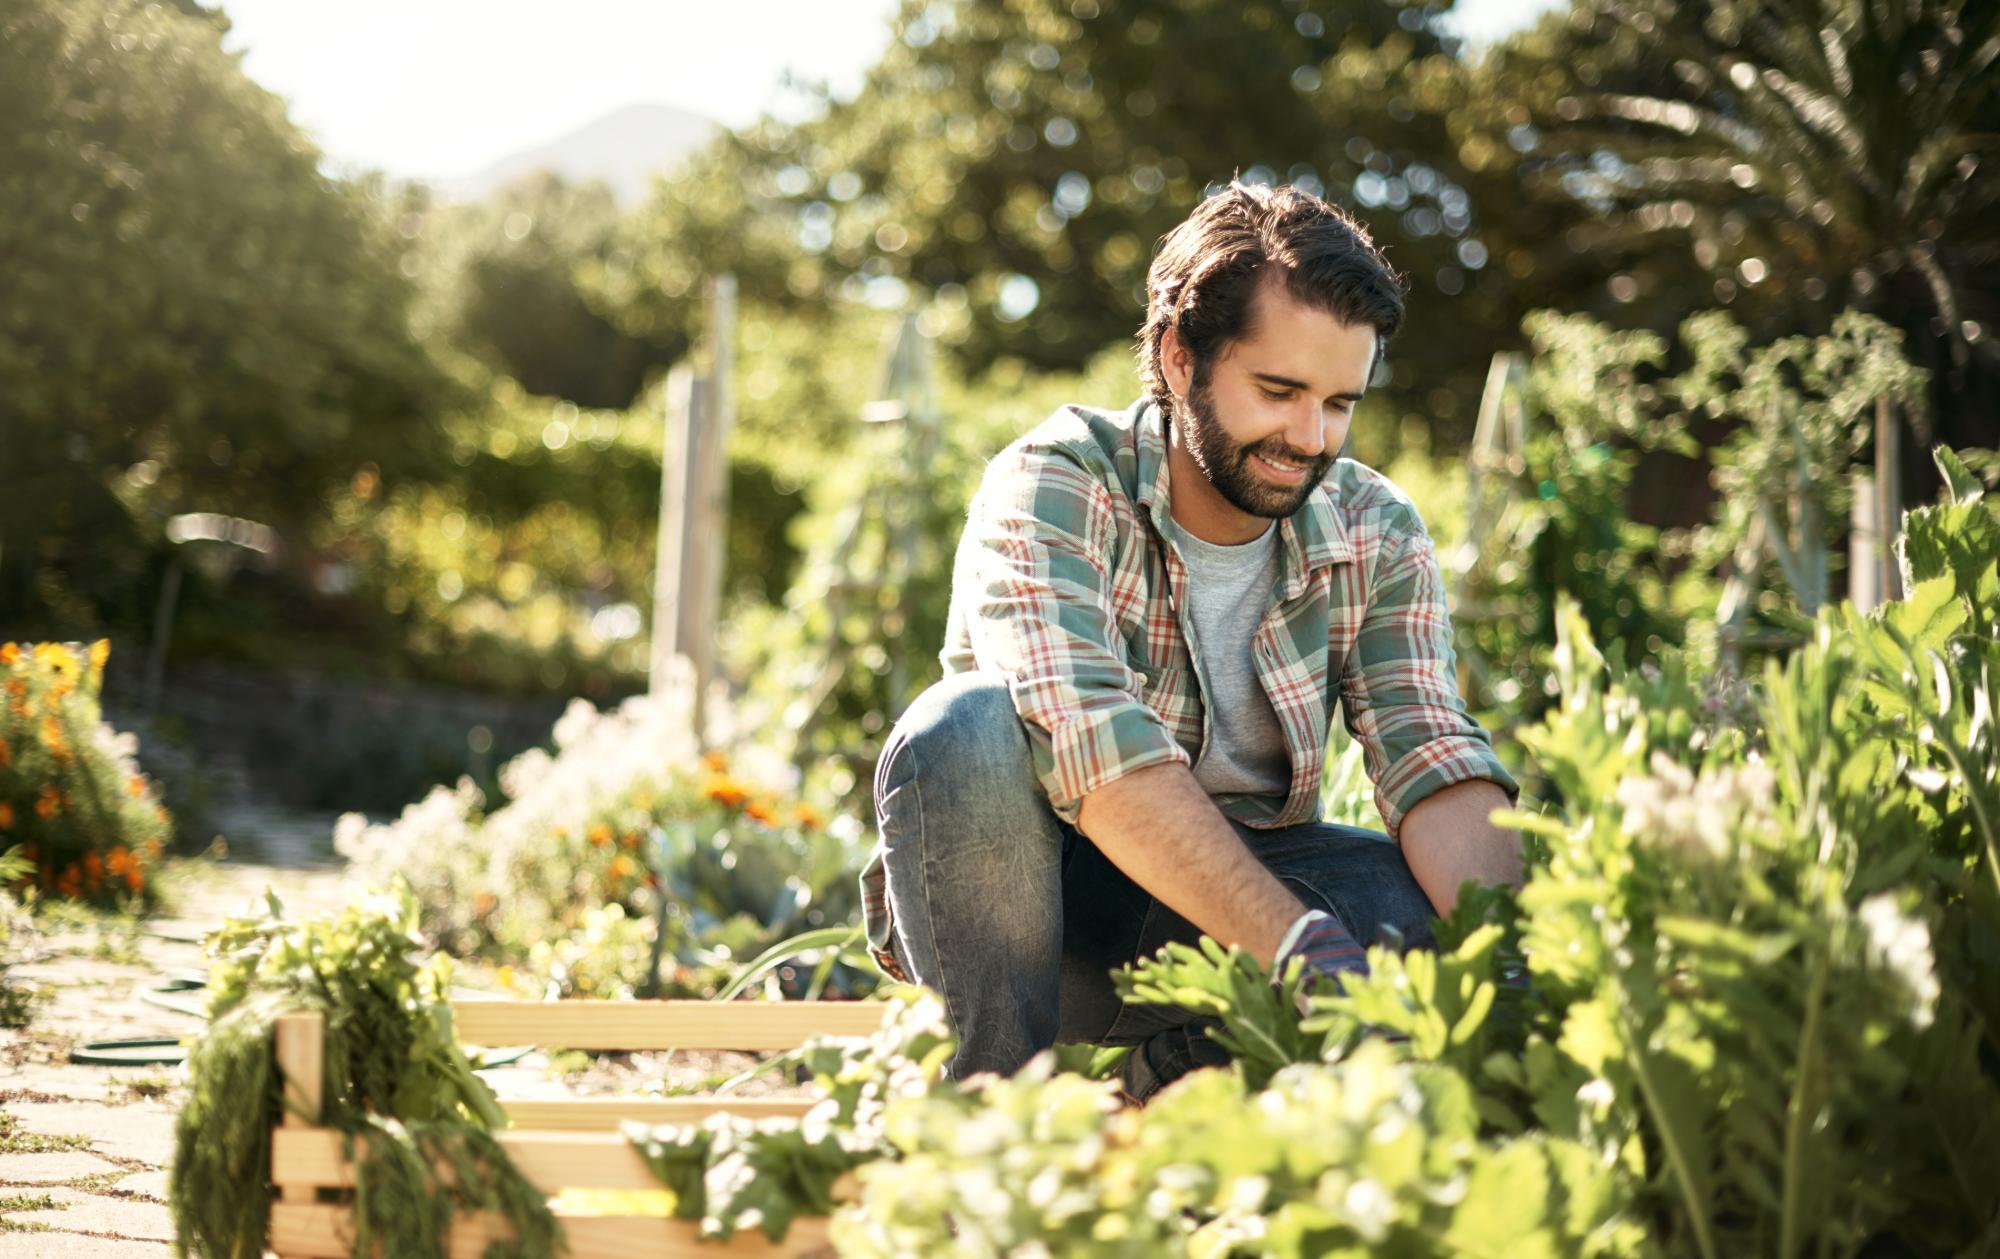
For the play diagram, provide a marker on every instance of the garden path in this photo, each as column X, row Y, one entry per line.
column 84, row 1149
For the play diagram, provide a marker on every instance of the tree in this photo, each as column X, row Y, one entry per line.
column 503, row 275
column 194, row 317
column 1014, row 165
column 1804, row 157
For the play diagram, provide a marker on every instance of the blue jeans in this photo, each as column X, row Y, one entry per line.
column 1015, row 919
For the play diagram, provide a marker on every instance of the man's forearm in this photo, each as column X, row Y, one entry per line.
column 1446, row 840
column 1159, row 827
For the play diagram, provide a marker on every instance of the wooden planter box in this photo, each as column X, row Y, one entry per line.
column 557, row 1145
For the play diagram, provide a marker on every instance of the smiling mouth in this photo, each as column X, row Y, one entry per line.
column 1283, row 471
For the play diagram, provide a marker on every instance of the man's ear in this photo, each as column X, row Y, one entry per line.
column 1176, row 364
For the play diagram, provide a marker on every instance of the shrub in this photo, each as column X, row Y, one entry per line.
column 70, row 793
column 625, row 844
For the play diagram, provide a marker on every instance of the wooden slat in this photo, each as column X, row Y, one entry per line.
column 300, row 1040
column 604, row 1114
column 748, row 1025
column 551, row 1161
column 325, row 1232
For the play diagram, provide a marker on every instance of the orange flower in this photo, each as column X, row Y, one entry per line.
column 726, row 791
column 119, row 860
column 757, row 810
column 621, row 868
column 53, row 740
column 629, row 839
column 6, row 754
column 715, row 762
column 600, row 835
column 49, row 803
column 134, row 880
column 67, row 882
column 807, row 816
column 484, row 903
column 93, row 865
column 135, row 786
column 6, row 813
column 10, row 654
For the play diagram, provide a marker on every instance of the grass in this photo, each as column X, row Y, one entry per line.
column 25, row 1202
column 15, row 1141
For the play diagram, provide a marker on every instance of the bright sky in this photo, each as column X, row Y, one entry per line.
column 442, row 87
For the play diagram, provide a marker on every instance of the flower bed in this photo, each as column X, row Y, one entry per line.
column 71, row 795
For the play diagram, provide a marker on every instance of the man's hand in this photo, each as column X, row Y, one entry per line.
column 1446, row 840
column 1158, row 826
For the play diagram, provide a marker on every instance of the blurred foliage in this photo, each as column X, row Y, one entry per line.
column 1010, row 168
column 499, row 280
column 86, row 822
column 624, row 855
column 1598, row 401
column 194, row 316
column 1788, row 161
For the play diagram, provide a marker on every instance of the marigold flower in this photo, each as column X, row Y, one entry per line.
column 100, row 651
column 758, row 811
column 68, row 882
column 56, row 656
column 726, row 791
column 807, row 816
column 6, row 812
column 715, row 762
column 135, row 880
column 10, row 654
column 93, row 865
column 621, row 868
column 53, row 739
column 6, row 754
column 119, row 860
column 135, row 786
column 48, row 804
column 600, row 835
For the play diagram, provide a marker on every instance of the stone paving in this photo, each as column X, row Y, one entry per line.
column 84, row 1149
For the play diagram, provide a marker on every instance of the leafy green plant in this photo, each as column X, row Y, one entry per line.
column 395, row 1079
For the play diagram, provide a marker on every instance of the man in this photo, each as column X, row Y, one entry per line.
column 1153, row 615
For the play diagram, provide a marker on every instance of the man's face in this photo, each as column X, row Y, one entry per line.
column 1265, row 418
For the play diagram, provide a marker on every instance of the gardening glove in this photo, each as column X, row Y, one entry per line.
column 1325, row 944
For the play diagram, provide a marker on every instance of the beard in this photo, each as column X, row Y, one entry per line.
column 1226, row 462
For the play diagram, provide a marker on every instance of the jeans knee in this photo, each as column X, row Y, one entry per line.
column 963, row 725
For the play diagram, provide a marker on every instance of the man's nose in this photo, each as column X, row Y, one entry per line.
column 1306, row 434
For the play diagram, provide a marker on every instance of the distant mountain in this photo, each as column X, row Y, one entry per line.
column 624, row 148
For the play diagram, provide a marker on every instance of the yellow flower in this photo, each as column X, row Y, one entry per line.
column 56, row 656
column 600, row 834
column 100, row 651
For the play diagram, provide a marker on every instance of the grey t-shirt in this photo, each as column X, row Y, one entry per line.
column 1228, row 587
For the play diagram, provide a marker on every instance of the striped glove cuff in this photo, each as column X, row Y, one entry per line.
column 1324, row 943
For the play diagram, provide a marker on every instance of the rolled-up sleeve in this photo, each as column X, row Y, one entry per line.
column 1034, row 570
column 1399, row 690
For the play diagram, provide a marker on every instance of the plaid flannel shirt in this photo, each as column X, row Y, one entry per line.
column 1066, row 584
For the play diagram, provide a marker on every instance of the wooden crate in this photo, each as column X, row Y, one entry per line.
column 557, row 1145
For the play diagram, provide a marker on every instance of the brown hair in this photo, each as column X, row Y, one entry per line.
column 1208, row 268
